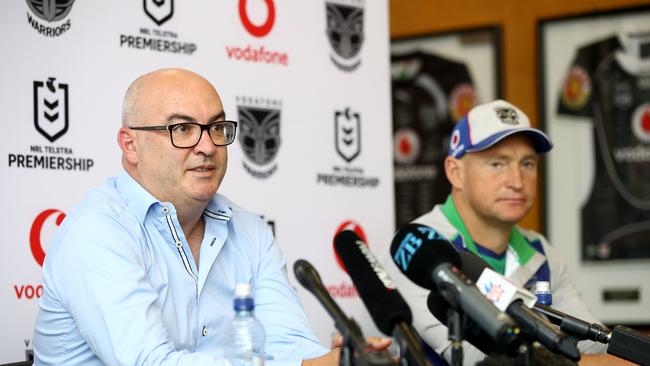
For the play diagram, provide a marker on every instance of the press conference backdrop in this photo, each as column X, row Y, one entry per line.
column 307, row 80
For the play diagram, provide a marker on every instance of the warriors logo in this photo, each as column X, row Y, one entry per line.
column 50, row 10
column 259, row 137
column 345, row 33
column 159, row 11
column 51, row 108
column 347, row 134
column 507, row 115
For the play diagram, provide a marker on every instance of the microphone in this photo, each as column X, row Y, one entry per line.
column 517, row 302
column 622, row 341
column 427, row 259
column 386, row 306
column 364, row 354
column 574, row 326
column 630, row 345
column 473, row 267
column 473, row 333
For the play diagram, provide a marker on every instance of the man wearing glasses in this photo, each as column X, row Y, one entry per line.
column 142, row 272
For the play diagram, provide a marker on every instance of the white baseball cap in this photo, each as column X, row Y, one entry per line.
column 489, row 123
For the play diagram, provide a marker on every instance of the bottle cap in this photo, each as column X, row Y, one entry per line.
column 542, row 287
column 242, row 290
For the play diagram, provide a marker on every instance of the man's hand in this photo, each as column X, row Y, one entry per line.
column 332, row 357
column 377, row 343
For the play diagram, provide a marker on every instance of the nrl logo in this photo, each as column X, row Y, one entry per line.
column 50, row 10
column 51, row 108
column 507, row 115
column 347, row 134
column 259, row 133
column 159, row 11
column 345, row 33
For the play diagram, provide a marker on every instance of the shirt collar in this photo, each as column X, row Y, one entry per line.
column 219, row 208
column 522, row 250
column 140, row 200
column 137, row 198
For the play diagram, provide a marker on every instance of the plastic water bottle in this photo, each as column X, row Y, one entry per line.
column 244, row 338
column 543, row 293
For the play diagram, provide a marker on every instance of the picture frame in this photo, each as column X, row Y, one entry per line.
column 436, row 79
column 595, row 196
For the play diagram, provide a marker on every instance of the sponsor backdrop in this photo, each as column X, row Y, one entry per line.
column 307, row 80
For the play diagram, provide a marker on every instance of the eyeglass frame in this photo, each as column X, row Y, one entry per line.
column 201, row 126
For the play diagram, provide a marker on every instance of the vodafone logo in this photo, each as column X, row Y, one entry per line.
column 258, row 18
column 641, row 123
column 265, row 27
column 36, row 230
column 406, row 146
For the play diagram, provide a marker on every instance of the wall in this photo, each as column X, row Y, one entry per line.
column 518, row 20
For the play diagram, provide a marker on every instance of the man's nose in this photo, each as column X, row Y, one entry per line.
column 515, row 178
column 205, row 144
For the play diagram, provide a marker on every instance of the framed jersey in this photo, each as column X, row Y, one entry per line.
column 595, row 105
column 436, row 79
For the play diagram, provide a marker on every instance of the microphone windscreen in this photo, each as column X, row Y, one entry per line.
column 418, row 249
column 472, row 265
column 376, row 289
column 306, row 274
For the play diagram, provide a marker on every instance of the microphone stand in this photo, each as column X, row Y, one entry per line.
column 455, row 326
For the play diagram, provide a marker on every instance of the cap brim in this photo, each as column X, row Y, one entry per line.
column 541, row 142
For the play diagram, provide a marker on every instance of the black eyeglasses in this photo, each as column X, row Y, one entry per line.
column 188, row 134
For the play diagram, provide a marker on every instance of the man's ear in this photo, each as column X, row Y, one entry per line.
column 127, row 143
column 455, row 171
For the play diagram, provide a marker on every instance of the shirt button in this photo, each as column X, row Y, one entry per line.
column 165, row 209
column 204, row 332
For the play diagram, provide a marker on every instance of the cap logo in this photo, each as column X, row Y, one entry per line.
column 507, row 115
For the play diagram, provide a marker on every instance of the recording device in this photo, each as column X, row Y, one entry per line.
column 356, row 351
column 429, row 260
column 516, row 302
column 386, row 306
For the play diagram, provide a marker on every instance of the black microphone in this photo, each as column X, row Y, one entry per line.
column 427, row 259
column 630, row 345
column 364, row 354
column 386, row 306
column 531, row 323
column 472, row 332
column 574, row 326
column 622, row 341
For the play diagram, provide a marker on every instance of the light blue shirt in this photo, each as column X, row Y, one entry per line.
column 120, row 285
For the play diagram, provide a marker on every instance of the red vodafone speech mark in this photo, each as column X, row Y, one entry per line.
column 349, row 225
column 35, row 233
column 261, row 30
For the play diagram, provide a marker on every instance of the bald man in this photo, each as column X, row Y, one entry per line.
column 143, row 270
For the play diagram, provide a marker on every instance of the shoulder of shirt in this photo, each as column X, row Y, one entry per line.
column 101, row 201
column 438, row 221
column 533, row 236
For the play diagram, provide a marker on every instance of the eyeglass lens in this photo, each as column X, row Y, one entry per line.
column 189, row 134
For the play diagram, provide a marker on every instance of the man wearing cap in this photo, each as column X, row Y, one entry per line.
column 492, row 167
